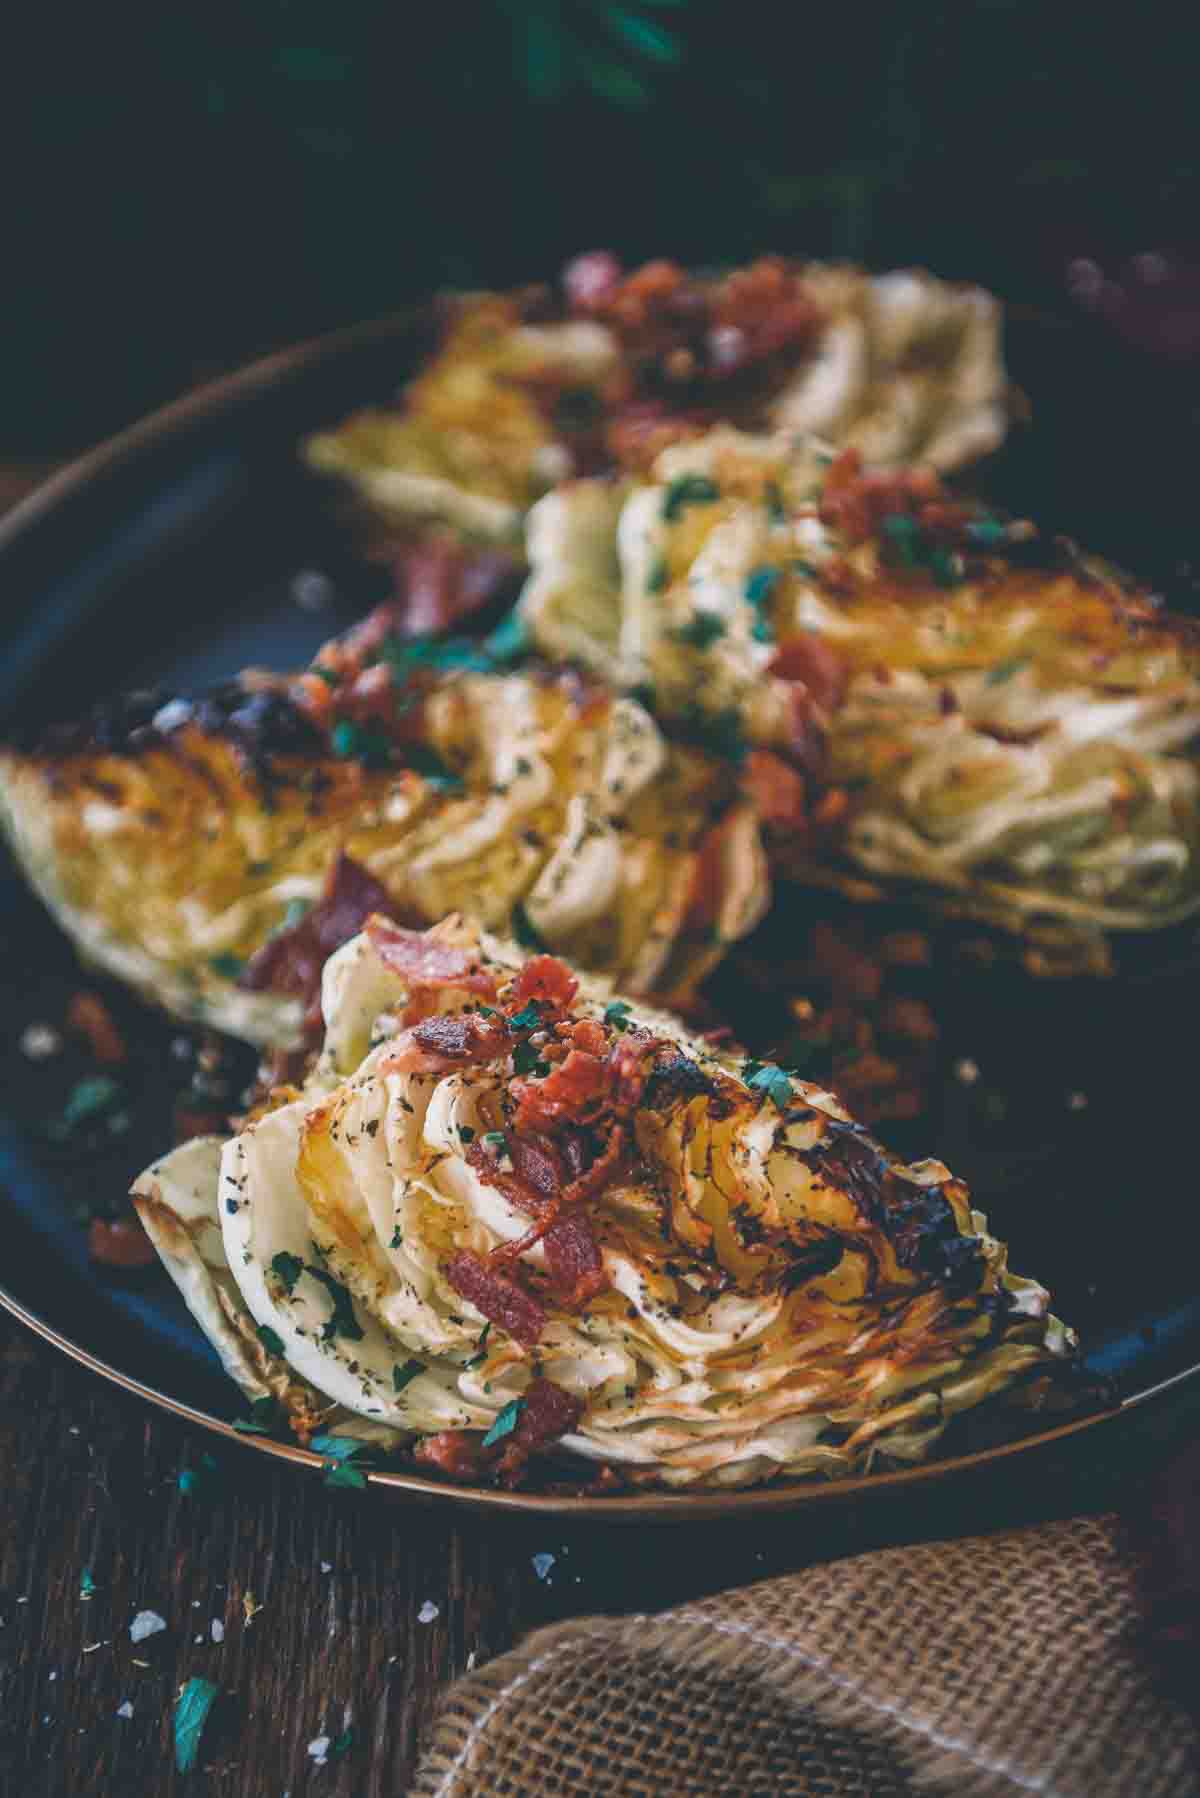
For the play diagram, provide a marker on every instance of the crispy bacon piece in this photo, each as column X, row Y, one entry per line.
column 426, row 960
column 443, row 581
column 498, row 1296
column 547, row 1413
column 591, row 1181
column 445, row 1042
column 120, row 1242
column 807, row 658
column 577, row 1089
column 460, row 1453
column 631, row 1063
column 89, row 1017
column 547, row 980
column 292, row 960
column 573, row 1257
column 778, row 792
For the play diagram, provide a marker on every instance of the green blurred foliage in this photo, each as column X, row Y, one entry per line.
column 190, row 183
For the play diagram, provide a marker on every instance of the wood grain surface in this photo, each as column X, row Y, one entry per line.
column 363, row 1608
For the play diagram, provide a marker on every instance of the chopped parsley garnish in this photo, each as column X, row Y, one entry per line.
column 480, row 1347
column 338, row 1448
column 340, row 1454
column 506, row 1422
column 87, row 1584
column 327, row 675
column 192, row 1707
column 659, row 576
column 701, row 630
column 340, row 1745
column 945, row 567
column 688, row 490
column 365, row 743
column 266, row 1415
column 197, row 1482
column 524, row 930
column 426, row 762
column 288, row 1268
column 760, row 587
column 509, row 641
column 344, row 1473
column 443, row 653
column 397, row 1238
column 341, row 1320
column 403, row 1373
column 497, row 1142
column 1005, row 670
column 465, row 1133
column 229, row 966
column 528, row 1018
column 616, row 1014
column 526, row 1060
column 905, row 540
column 89, row 1098
column 773, row 1084
column 989, row 533
column 270, row 1339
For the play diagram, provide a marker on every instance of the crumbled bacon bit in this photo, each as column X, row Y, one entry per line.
column 777, row 791
column 463, row 1039
column 460, row 1453
column 427, row 960
column 498, row 1296
column 89, row 1017
column 547, row 980
column 443, row 581
column 807, row 658
column 121, row 1242
column 292, row 960
column 574, row 1260
column 548, row 1412
column 576, row 1089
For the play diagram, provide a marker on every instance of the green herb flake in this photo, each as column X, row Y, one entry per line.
column 773, row 1084
column 341, row 1320
column 340, row 1745
column 616, row 1014
column 87, row 1584
column 497, row 1142
column 701, row 630
column 528, row 1018
column 266, row 1415
column 524, row 930
column 397, row 1238
column 688, row 490
column 403, row 1374
column 365, row 743
column 327, row 675
column 198, row 1482
column 339, row 1448
column 480, row 1347
column 989, row 533
column 288, row 1269
column 506, row 1422
column 659, row 576
column 1005, row 670
column 509, row 641
column 192, row 1708
column 271, row 1340
column 342, row 1473
column 89, row 1098
column 526, row 1060
column 227, row 966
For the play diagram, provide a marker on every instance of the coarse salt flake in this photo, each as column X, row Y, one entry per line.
column 428, row 1612
column 146, row 1623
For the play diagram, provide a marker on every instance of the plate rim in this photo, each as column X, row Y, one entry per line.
column 209, row 399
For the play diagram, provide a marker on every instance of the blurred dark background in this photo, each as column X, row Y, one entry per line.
column 189, row 184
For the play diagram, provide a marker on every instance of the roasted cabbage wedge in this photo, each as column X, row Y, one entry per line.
column 213, row 852
column 531, row 388
column 1009, row 728
column 509, row 1211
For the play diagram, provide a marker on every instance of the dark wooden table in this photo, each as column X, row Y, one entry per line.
column 343, row 1614
column 346, row 1610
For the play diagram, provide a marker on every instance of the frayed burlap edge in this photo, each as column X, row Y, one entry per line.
column 988, row 1666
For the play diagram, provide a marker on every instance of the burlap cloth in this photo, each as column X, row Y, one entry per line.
column 999, row 1664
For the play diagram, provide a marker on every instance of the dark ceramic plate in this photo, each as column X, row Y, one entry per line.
column 170, row 555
